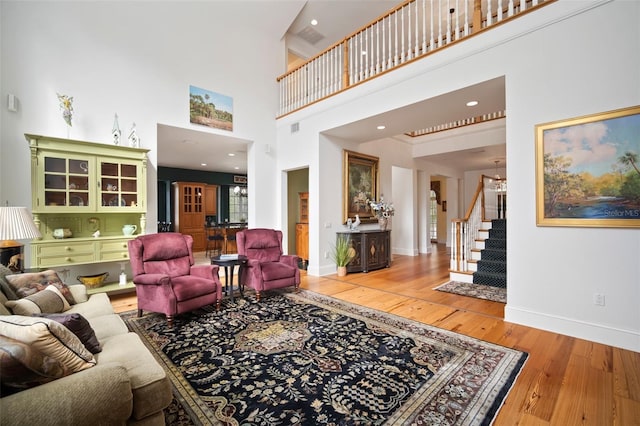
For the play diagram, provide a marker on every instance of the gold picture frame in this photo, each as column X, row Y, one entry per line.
column 361, row 182
column 588, row 171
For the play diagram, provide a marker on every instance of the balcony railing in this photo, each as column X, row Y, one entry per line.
column 411, row 31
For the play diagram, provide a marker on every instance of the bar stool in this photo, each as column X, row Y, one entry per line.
column 214, row 241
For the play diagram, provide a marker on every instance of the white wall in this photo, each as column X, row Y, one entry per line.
column 138, row 59
column 405, row 195
column 556, row 66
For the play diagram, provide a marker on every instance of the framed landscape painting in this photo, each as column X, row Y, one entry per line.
column 210, row 108
column 360, row 176
column 588, row 170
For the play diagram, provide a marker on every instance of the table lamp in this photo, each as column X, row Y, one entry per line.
column 16, row 223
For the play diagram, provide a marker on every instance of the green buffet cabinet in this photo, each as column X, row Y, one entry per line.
column 372, row 247
column 79, row 188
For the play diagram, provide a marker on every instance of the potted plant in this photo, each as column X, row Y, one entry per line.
column 342, row 253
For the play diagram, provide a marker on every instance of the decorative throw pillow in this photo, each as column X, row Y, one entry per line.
column 4, row 284
column 78, row 326
column 29, row 283
column 50, row 300
column 50, row 338
column 22, row 366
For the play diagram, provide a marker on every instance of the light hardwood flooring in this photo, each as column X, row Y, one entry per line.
column 566, row 381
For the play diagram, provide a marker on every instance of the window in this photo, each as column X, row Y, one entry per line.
column 238, row 205
column 433, row 217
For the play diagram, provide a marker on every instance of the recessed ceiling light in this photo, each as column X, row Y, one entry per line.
column 236, row 168
column 314, row 22
column 472, row 103
column 381, row 127
column 364, row 53
column 203, row 164
column 231, row 154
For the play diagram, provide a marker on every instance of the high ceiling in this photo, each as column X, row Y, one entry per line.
column 335, row 21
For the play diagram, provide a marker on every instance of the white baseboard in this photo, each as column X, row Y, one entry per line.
column 323, row 270
column 612, row 336
column 404, row 251
column 463, row 278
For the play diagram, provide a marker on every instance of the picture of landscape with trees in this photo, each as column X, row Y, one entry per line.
column 210, row 109
column 591, row 168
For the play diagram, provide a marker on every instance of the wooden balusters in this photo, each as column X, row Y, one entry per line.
column 389, row 41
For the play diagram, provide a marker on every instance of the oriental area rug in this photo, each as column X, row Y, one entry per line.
column 479, row 291
column 303, row 358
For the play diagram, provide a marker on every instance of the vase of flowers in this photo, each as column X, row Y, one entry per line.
column 383, row 211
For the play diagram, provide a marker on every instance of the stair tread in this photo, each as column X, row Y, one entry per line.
column 461, row 272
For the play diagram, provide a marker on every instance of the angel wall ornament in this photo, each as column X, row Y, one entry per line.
column 66, row 106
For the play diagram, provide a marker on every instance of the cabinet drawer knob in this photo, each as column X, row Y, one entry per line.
column 68, row 259
column 124, row 245
column 67, row 248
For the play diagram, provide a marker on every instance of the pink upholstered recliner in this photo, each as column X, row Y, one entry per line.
column 267, row 268
column 166, row 279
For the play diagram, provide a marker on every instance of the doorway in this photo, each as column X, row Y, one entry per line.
column 297, row 224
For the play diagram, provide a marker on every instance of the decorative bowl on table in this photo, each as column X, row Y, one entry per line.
column 93, row 281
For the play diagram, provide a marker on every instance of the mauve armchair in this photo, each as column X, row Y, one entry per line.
column 166, row 279
column 267, row 267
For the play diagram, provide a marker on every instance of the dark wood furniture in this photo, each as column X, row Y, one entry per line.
column 229, row 262
column 372, row 247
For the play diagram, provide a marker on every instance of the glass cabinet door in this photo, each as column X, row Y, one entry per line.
column 66, row 182
column 119, row 184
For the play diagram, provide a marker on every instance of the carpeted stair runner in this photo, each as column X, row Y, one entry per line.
column 492, row 266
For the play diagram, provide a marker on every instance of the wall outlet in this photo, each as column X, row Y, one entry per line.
column 326, row 254
column 598, row 299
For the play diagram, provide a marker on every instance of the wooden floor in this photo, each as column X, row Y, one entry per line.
column 566, row 381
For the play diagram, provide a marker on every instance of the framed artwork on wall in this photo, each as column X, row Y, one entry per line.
column 210, row 109
column 360, row 177
column 588, row 170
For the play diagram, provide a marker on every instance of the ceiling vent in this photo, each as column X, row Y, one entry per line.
column 310, row 35
column 295, row 127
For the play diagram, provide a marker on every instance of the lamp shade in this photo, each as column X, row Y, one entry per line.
column 16, row 223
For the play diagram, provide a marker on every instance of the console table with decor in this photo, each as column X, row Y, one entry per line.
column 372, row 249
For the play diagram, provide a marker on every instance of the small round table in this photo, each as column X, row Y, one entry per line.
column 229, row 262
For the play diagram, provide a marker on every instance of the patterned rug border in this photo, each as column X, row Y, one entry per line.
column 479, row 291
column 512, row 365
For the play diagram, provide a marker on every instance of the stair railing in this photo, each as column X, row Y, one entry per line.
column 489, row 202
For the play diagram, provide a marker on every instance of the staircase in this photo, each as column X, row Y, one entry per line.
column 488, row 258
column 491, row 268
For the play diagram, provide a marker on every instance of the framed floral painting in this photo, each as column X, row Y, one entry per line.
column 360, row 176
column 588, row 170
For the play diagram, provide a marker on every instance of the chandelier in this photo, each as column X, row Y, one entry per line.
column 500, row 184
column 240, row 190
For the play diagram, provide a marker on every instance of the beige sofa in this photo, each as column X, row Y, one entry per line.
column 125, row 386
